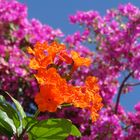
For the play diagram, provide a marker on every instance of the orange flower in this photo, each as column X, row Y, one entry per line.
column 94, row 97
column 95, row 106
column 54, row 90
column 45, row 103
column 34, row 64
column 91, row 81
column 44, row 54
column 87, row 96
column 49, row 98
column 77, row 98
column 65, row 57
column 79, row 61
column 75, row 57
column 44, row 76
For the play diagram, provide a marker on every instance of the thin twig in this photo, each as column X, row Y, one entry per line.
column 120, row 91
column 132, row 84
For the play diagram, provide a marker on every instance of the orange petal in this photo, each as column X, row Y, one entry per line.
column 79, row 61
column 65, row 57
column 34, row 64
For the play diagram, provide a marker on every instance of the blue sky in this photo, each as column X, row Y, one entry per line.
column 56, row 12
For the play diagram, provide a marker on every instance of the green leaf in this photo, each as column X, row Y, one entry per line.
column 56, row 129
column 15, row 114
column 11, row 112
column 75, row 131
column 18, row 106
column 5, row 129
column 2, row 99
column 28, row 122
column 6, row 124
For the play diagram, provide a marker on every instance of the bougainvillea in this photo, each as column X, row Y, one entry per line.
column 115, row 63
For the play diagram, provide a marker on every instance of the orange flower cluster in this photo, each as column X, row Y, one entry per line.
column 54, row 90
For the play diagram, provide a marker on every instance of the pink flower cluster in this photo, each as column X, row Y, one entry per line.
column 116, row 38
column 133, row 123
column 116, row 62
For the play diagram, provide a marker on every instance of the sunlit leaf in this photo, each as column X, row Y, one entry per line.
column 18, row 106
column 28, row 122
column 56, row 129
column 11, row 112
column 6, row 124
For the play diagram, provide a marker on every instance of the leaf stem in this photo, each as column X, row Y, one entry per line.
column 36, row 114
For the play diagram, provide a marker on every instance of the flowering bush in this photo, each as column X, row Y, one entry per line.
column 114, row 61
column 117, row 53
